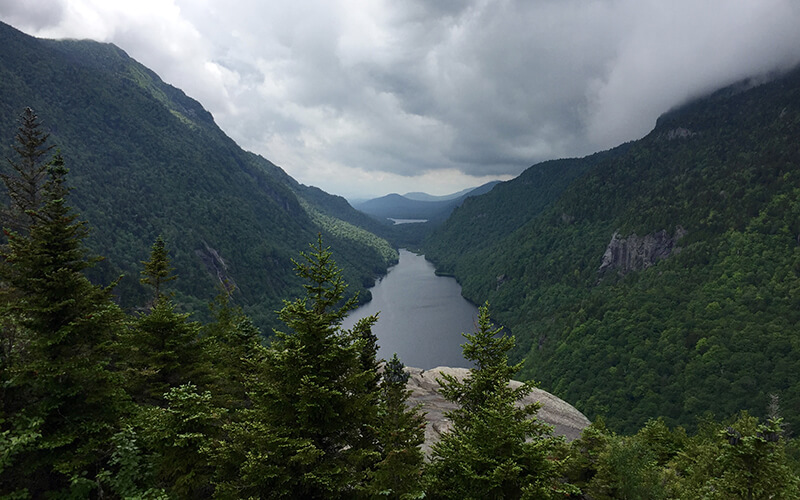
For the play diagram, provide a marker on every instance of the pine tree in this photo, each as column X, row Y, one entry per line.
column 495, row 448
column 61, row 379
column 401, row 432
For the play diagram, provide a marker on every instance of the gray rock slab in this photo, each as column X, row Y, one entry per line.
column 565, row 419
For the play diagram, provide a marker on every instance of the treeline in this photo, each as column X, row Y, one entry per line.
column 100, row 403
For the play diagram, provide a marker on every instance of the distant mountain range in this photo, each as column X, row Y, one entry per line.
column 420, row 206
column 145, row 160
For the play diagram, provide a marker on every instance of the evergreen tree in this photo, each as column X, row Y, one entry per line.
column 401, row 432
column 305, row 433
column 26, row 183
column 163, row 349
column 60, row 385
column 495, row 448
column 233, row 345
column 157, row 270
column 745, row 460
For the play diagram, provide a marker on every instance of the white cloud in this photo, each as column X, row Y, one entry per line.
column 370, row 95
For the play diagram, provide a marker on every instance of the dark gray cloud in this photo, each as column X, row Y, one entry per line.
column 369, row 97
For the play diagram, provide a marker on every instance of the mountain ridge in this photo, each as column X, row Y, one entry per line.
column 419, row 205
column 146, row 159
column 633, row 345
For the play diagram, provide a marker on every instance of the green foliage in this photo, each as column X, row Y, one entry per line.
column 162, row 350
column 744, row 459
column 157, row 270
column 25, row 185
column 132, row 472
column 180, row 436
column 149, row 161
column 313, row 399
column 401, row 432
column 58, row 330
column 713, row 327
column 495, row 449
column 342, row 229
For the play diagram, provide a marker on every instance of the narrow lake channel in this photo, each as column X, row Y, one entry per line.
column 422, row 316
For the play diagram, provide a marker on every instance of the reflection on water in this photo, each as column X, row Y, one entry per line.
column 422, row 316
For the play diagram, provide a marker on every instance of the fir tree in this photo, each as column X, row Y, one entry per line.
column 26, row 183
column 233, row 345
column 495, row 448
column 311, row 405
column 401, row 432
column 157, row 270
column 61, row 380
column 162, row 350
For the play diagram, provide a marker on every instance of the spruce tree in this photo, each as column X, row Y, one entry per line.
column 29, row 175
column 401, row 432
column 233, row 345
column 311, row 404
column 495, row 449
column 157, row 270
column 61, row 380
column 163, row 348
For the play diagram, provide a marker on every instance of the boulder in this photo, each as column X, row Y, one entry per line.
column 565, row 419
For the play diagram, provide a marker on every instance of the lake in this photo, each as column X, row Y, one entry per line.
column 421, row 315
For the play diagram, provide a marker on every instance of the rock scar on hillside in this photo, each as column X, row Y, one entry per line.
column 636, row 253
column 566, row 420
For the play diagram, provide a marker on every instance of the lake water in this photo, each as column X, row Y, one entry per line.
column 422, row 316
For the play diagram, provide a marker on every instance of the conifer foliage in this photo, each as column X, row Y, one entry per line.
column 401, row 433
column 307, row 433
column 58, row 390
column 495, row 449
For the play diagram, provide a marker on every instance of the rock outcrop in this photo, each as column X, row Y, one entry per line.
column 636, row 253
column 566, row 420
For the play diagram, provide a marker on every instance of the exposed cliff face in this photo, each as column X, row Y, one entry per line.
column 567, row 421
column 635, row 253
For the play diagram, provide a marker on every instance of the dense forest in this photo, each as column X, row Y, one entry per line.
column 661, row 277
column 99, row 403
column 150, row 161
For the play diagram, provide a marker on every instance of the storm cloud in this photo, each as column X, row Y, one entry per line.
column 368, row 97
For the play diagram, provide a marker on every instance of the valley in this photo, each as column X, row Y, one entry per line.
column 654, row 286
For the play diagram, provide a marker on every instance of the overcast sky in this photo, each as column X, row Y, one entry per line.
column 367, row 97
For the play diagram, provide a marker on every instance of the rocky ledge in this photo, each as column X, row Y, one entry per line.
column 636, row 253
column 566, row 420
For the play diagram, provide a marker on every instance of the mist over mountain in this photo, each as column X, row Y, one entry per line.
column 419, row 206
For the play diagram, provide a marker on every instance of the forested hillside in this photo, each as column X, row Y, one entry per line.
column 146, row 160
column 663, row 280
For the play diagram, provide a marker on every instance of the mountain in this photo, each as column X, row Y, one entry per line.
column 145, row 160
column 419, row 205
column 429, row 197
column 660, row 277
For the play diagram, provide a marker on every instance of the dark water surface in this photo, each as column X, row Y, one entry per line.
column 421, row 316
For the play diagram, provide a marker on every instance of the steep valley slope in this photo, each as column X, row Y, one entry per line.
column 145, row 160
column 659, row 278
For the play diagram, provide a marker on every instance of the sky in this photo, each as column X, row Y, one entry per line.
column 368, row 97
